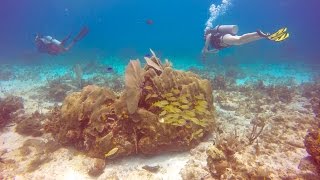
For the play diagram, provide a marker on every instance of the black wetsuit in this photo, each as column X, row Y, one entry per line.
column 216, row 39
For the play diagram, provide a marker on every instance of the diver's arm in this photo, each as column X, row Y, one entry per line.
column 213, row 51
column 206, row 46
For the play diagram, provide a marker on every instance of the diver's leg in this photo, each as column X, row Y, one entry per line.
column 63, row 42
column 239, row 40
column 70, row 46
column 84, row 31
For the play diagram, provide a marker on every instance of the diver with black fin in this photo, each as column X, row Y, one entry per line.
column 49, row 45
column 224, row 36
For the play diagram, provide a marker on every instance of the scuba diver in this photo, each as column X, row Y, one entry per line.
column 224, row 36
column 49, row 45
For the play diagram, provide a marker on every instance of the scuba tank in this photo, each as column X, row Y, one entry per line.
column 218, row 32
column 227, row 29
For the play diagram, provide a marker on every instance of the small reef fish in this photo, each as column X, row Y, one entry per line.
column 108, row 69
column 148, row 55
column 149, row 21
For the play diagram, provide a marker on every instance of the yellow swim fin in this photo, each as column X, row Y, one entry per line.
column 278, row 33
column 282, row 37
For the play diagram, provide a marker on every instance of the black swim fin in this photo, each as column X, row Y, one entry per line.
column 84, row 31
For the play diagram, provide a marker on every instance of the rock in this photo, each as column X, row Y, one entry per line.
column 215, row 154
column 312, row 144
column 97, row 168
column 153, row 169
column 308, row 164
column 8, row 106
column 295, row 143
column 261, row 173
column 216, row 161
column 192, row 171
column 229, row 106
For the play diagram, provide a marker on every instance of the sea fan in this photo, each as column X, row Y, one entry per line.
column 133, row 81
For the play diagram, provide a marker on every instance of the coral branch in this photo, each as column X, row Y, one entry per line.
column 78, row 72
column 258, row 125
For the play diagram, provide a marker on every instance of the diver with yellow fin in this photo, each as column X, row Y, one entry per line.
column 278, row 36
column 223, row 36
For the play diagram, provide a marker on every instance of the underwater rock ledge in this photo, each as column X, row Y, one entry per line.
column 160, row 110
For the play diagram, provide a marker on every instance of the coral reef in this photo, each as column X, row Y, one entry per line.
column 113, row 81
column 58, row 87
column 78, row 75
column 311, row 91
column 133, row 80
column 219, row 82
column 100, row 74
column 223, row 160
column 271, row 148
column 312, row 144
column 37, row 162
column 280, row 93
column 161, row 110
column 194, row 171
column 92, row 108
column 227, row 166
column 216, row 162
column 309, row 168
column 30, row 125
column 222, row 82
column 312, row 139
column 233, row 72
column 8, row 106
column 57, row 92
column 280, row 112
column 41, row 152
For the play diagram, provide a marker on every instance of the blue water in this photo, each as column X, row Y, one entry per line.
column 118, row 28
